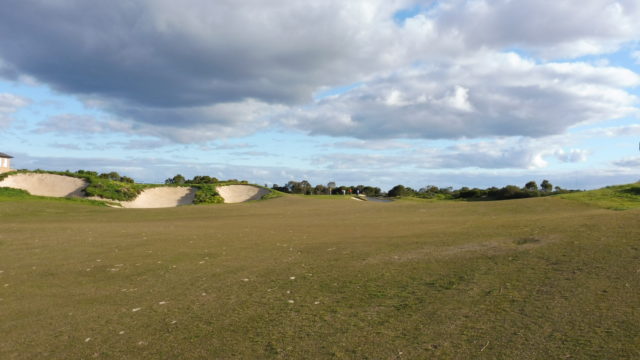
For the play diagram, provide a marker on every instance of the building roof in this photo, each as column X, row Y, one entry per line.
column 3, row 155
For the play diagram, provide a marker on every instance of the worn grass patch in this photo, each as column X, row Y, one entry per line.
column 298, row 278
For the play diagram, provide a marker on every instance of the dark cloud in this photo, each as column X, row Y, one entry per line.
column 198, row 70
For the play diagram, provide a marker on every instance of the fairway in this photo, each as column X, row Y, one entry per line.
column 307, row 278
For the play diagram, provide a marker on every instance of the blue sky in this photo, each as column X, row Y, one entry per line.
column 449, row 93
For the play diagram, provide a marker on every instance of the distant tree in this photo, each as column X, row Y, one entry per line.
column 176, row 180
column 331, row 185
column 294, row 187
column 126, row 179
column 398, row 190
column 531, row 186
column 546, row 186
column 320, row 189
column 305, row 187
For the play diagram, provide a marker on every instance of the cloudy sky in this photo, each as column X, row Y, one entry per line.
column 378, row 92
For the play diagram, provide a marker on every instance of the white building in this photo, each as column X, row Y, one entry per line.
column 5, row 162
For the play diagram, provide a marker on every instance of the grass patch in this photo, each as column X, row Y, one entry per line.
column 303, row 279
column 619, row 197
column 11, row 194
column 97, row 186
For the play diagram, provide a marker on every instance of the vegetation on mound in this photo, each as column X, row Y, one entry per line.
column 618, row 197
column 11, row 194
column 207, row 194
column 109, row 186
column 206, row 185
column 113, row 186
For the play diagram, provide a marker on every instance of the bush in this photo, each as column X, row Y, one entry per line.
column 207, row 194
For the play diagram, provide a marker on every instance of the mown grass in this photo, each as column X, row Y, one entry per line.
column 619, row 197
column 297, row 278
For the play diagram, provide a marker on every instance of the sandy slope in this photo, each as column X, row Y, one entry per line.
column 162, row 197
column 240, row 193
column 46, row 184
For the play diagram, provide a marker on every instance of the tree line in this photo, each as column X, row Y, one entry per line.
column 304, row 187
column 199, row 180
column 530, row 189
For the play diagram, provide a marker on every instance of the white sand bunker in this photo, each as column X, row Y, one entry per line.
column 162, row 197
column 240, row 193
column 46, row 184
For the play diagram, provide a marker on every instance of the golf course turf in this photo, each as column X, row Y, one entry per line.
column 301, row 278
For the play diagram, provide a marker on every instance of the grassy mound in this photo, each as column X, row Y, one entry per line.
column 11, row 194
column 105, row 188
column 619, row 197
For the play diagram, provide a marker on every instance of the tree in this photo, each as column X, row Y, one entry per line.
column 531, row 186
column 546, row 186
column 305, row 187
column 331, row 185
column 177, row 180
column 398, row 190
column 320, row 189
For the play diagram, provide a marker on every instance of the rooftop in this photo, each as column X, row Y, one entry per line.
column 3, row 155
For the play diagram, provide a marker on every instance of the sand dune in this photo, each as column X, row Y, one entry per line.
column 46, row 184
column 240, row 193
column 162, row 197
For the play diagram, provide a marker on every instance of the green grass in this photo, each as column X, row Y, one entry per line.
column 97, row 186
column 620, row 197
column 521, row 279
column 11, row 194
column 207, row 194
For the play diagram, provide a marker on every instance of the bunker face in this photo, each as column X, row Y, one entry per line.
column 46, row 184
column 241, row 193
column 162, row 197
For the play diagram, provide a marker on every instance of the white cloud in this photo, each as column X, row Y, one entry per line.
column 549, row 28
column 9, row 104
column 502, row 153
column 572, row 155
column 487, row 95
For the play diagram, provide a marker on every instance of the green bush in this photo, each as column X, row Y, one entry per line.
column 207, row 194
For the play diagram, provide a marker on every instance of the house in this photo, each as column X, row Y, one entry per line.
column 5, row 162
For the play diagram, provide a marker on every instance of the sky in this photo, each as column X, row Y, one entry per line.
column 376, row 92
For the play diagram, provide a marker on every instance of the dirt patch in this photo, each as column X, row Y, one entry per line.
column 241, row 193
column 46, row 184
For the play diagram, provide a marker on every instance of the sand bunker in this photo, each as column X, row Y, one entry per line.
column 46, row 184
column 162, row 197
column 240, row 193
column 159, row 197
